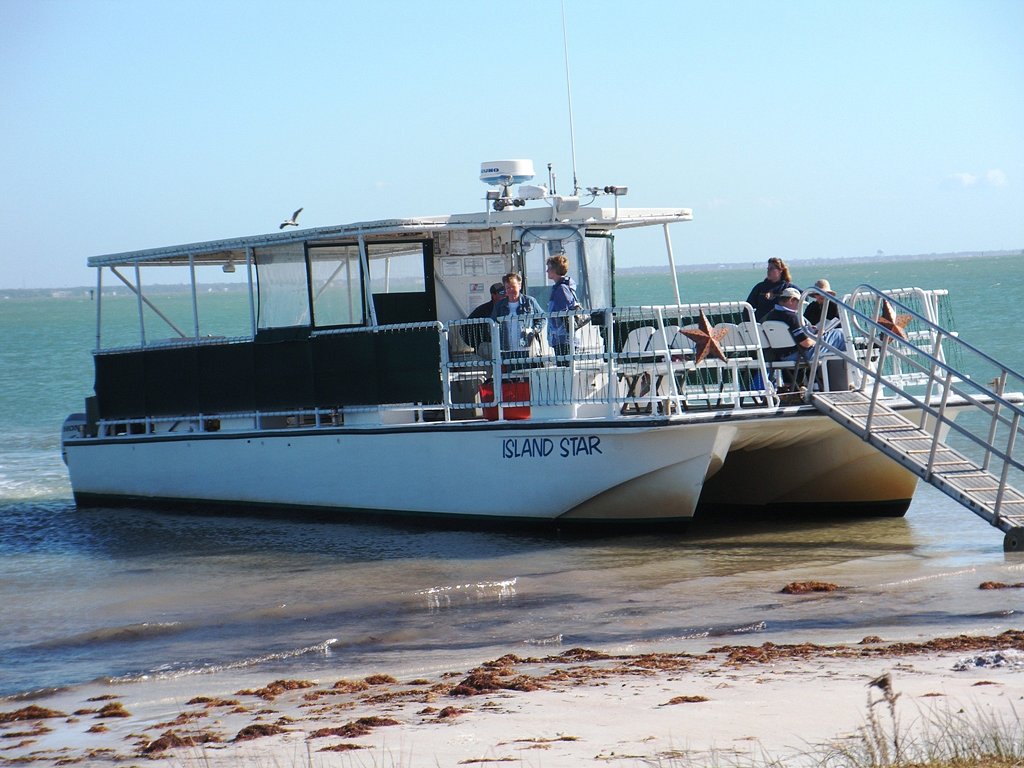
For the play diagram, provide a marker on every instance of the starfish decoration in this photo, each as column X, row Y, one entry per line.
column 707, row 339
column 893, row 323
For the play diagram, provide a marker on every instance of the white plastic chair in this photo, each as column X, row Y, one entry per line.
column 780, row 340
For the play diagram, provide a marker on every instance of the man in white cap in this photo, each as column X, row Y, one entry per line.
column 787, row 307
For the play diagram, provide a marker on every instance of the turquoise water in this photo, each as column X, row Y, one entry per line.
column 127, row 593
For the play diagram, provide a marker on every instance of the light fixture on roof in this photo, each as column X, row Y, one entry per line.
column 229, row 267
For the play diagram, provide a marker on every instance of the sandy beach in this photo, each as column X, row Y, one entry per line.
column 742, row 703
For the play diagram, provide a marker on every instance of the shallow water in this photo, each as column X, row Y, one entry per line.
column 129, row 594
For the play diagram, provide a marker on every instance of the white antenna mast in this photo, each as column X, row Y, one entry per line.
column 568, row 89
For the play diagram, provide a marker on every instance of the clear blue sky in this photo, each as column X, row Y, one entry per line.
column 799, row 129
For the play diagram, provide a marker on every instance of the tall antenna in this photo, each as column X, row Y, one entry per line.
column 568, row 89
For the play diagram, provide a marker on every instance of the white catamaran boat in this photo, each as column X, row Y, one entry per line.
column 351, row 380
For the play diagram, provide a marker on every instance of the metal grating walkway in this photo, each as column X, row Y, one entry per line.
column 948, row 470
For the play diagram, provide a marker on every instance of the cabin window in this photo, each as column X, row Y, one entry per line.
column 337, row 287
column 283, row 290
column 597, row 269
column 396, row 268
column 590, row 263
column 402, row 281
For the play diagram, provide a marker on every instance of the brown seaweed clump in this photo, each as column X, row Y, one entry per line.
column 258, row 731
column 379, row 680
column 170, row 740
column 803, row 587
column 114, row 709
column 1000, row 585
column 685, row 700
column 487, row 681
column 449, row 712
column 354, row 729
column 276, row 688
column 351, row 686
column 29, row 713
column 769, row 652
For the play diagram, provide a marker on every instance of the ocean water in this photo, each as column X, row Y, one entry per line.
column 131, row 594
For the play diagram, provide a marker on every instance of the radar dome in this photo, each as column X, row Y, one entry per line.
column 506, row 172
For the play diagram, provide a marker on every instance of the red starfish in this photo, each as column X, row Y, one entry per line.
column 893, row 323
column 706, row 338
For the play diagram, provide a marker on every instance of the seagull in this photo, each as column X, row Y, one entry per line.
column 293, row 221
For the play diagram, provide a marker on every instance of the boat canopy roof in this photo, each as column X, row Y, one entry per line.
column 222, row 251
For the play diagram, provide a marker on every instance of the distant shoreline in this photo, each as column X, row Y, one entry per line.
column 877, row 258
column 78, row 292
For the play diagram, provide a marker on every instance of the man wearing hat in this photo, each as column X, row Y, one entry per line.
column 478, row 335
column 815, row 308
column 787, row 307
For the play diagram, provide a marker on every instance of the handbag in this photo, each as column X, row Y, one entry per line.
column 578, row 320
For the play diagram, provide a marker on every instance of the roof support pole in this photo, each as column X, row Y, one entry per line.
column 138, row 294
column 195, row 303
column 671, row 262
column 252, row 297
column 99, row 306
column 364, row 262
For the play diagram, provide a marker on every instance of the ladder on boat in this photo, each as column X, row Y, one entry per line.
column 909, row 396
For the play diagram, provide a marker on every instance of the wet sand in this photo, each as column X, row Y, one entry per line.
column 567, row 709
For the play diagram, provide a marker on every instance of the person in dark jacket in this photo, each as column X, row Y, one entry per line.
column 763, row 295
column 561, row 330
column 478, row 335
column 814, row 308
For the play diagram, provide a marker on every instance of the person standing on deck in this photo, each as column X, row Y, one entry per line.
column 518, row 331
column 561, row 330
column 478, row 336
column 763, row 295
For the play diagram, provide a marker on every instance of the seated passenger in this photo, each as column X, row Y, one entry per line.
column 763, row 295
column 814, row 309
column 786, row 311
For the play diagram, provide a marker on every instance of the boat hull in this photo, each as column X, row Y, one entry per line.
column 806, row 466
column 661, row 471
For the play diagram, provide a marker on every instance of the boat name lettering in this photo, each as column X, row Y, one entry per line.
column 539, row 447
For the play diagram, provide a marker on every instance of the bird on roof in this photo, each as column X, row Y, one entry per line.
column 293, row 221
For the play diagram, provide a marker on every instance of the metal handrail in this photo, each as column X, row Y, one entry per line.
column 942, row 379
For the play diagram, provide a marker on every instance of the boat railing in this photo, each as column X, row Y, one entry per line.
column 626, row 361
column 902, row 366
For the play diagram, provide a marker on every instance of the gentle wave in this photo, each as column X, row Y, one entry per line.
column 186, row 669
column 932, row 577
column 443, row 597
column 709, row 632
column 126, row 634
column 553, row 640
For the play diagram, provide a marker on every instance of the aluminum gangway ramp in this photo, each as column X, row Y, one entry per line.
column 912, row 402
column 981, row 491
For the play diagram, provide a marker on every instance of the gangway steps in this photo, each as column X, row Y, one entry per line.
column 954, row 474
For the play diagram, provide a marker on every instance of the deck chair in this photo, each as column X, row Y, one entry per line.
column 779, row 339
column 635, row 364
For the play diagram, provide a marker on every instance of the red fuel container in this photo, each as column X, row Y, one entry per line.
column 515, row 391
